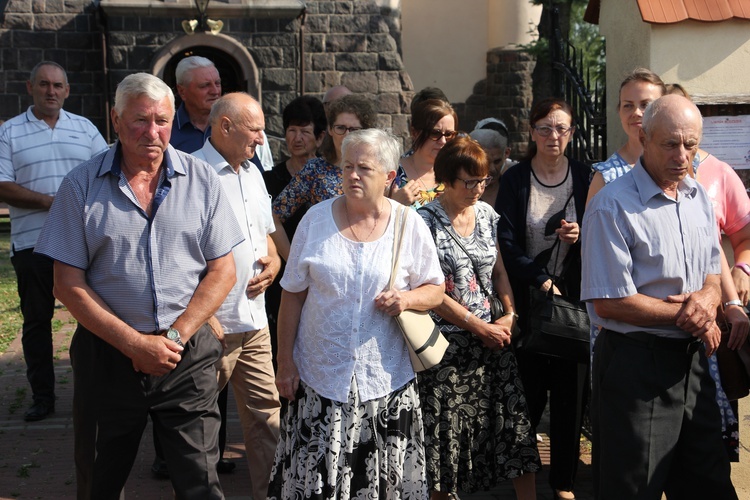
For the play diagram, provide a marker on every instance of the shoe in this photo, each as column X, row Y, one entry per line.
column 225, row 466
column 159, row 469
column 39, row 411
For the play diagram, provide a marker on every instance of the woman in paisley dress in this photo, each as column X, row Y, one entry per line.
column 433, row 123
column 320, row 178
column 354, row 426
column 477, row 428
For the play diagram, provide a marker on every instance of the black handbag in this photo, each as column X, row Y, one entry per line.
column 496, row 307
column 557, row 325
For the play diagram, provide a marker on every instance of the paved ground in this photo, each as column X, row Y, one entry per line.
column 36, row 459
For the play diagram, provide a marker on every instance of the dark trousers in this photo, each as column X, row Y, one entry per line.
column 567, row 383
column 111, row 403
column 35, row 278
column 656, row 424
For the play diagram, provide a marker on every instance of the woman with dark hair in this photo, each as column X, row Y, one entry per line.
column 477, row 428
column 433, row 123
column 540, row 202
column 320, row 178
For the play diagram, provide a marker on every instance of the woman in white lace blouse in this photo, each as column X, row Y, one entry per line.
column 354, row 425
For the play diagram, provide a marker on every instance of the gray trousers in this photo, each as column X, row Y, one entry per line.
column 656, row 424
column 111, row 403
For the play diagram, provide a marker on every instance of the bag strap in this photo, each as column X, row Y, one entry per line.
column 458, row 242
column 566, row 265
column 399, row 224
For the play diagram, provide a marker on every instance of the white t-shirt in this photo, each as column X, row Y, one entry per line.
column 341, row 334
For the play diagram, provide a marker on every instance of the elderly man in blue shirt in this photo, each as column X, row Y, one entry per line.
column 142, row 239
column 651, row 279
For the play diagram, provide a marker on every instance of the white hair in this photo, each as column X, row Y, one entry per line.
column 139, row 84
column 184, row 67
column 384, row 145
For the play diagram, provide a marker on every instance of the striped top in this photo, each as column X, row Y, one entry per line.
column 145, row 268
column 37, row 157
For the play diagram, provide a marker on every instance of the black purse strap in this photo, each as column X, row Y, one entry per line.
column 458, row 242
column 556, row 248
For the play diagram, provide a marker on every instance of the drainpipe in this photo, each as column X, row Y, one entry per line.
column 302, row 17
column 105, row 68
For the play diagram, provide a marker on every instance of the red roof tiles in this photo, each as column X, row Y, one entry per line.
column 674, row 11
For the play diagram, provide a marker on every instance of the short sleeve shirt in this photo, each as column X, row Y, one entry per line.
column 251, row 204
column 341, row 334
column 145, row 268
column 612, row 168
column 317, row 181
column 727, row 192
column 638, row 240
column 37, row 157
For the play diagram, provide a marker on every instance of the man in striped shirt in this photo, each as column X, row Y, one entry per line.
column 37, row 149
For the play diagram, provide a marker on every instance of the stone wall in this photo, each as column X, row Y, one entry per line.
column 57, row 30
column 505, row 94
column 353, row 43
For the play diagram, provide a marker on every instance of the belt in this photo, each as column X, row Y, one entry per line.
column 652, row 341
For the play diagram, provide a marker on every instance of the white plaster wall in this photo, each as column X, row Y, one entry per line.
column 709, row 59
column 445, row 42
column 628, row 42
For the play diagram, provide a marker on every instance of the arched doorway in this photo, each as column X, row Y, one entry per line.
column 235, row 64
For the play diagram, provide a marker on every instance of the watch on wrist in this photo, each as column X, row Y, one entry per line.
column 174, row 335
column 735, row 302
column 743, row 266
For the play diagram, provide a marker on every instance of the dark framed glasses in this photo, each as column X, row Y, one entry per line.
column 546, row 131
column 472, row 183
column 436, row 134
column 343, row 129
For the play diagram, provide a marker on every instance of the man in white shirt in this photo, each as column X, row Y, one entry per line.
column 237, row 124
column 37, row 149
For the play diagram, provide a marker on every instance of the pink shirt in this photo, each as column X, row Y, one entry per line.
column 727, row 194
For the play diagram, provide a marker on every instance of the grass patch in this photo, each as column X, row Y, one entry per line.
column 10, row 307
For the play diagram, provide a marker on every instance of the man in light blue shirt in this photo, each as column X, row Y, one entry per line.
column 651, row 280
column 142, row 239
column 37, row 149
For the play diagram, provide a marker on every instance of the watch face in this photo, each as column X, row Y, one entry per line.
column 173, row 335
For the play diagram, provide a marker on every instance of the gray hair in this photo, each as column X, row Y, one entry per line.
column 663, row 105
column 384, row 146
column 139, row 84
column 489, row 139
column 184, row 67
column 35, row 70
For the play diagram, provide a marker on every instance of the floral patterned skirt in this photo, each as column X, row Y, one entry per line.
column 333, row 450
column 477, row 427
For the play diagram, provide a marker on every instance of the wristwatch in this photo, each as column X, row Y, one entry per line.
column 174, row 335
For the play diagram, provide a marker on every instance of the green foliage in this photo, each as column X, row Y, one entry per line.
column 583, row 36
column 10, row 307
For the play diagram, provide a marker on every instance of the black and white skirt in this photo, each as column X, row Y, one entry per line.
column 333, row 450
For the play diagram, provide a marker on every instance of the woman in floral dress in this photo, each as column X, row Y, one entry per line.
column 477, row 428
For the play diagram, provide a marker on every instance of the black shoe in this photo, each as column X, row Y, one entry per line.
column 225, row 466
column 39, row 411
column 159, row 469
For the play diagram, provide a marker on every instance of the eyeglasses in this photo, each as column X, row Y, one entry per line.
column 546, row 131
column 343, row 129
column 472, row 183
column 436, row 134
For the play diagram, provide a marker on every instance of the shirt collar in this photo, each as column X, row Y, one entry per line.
column 30, row 115
column 111, row 163
column 217, row 160
column 182, row 117
column 648, row 189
